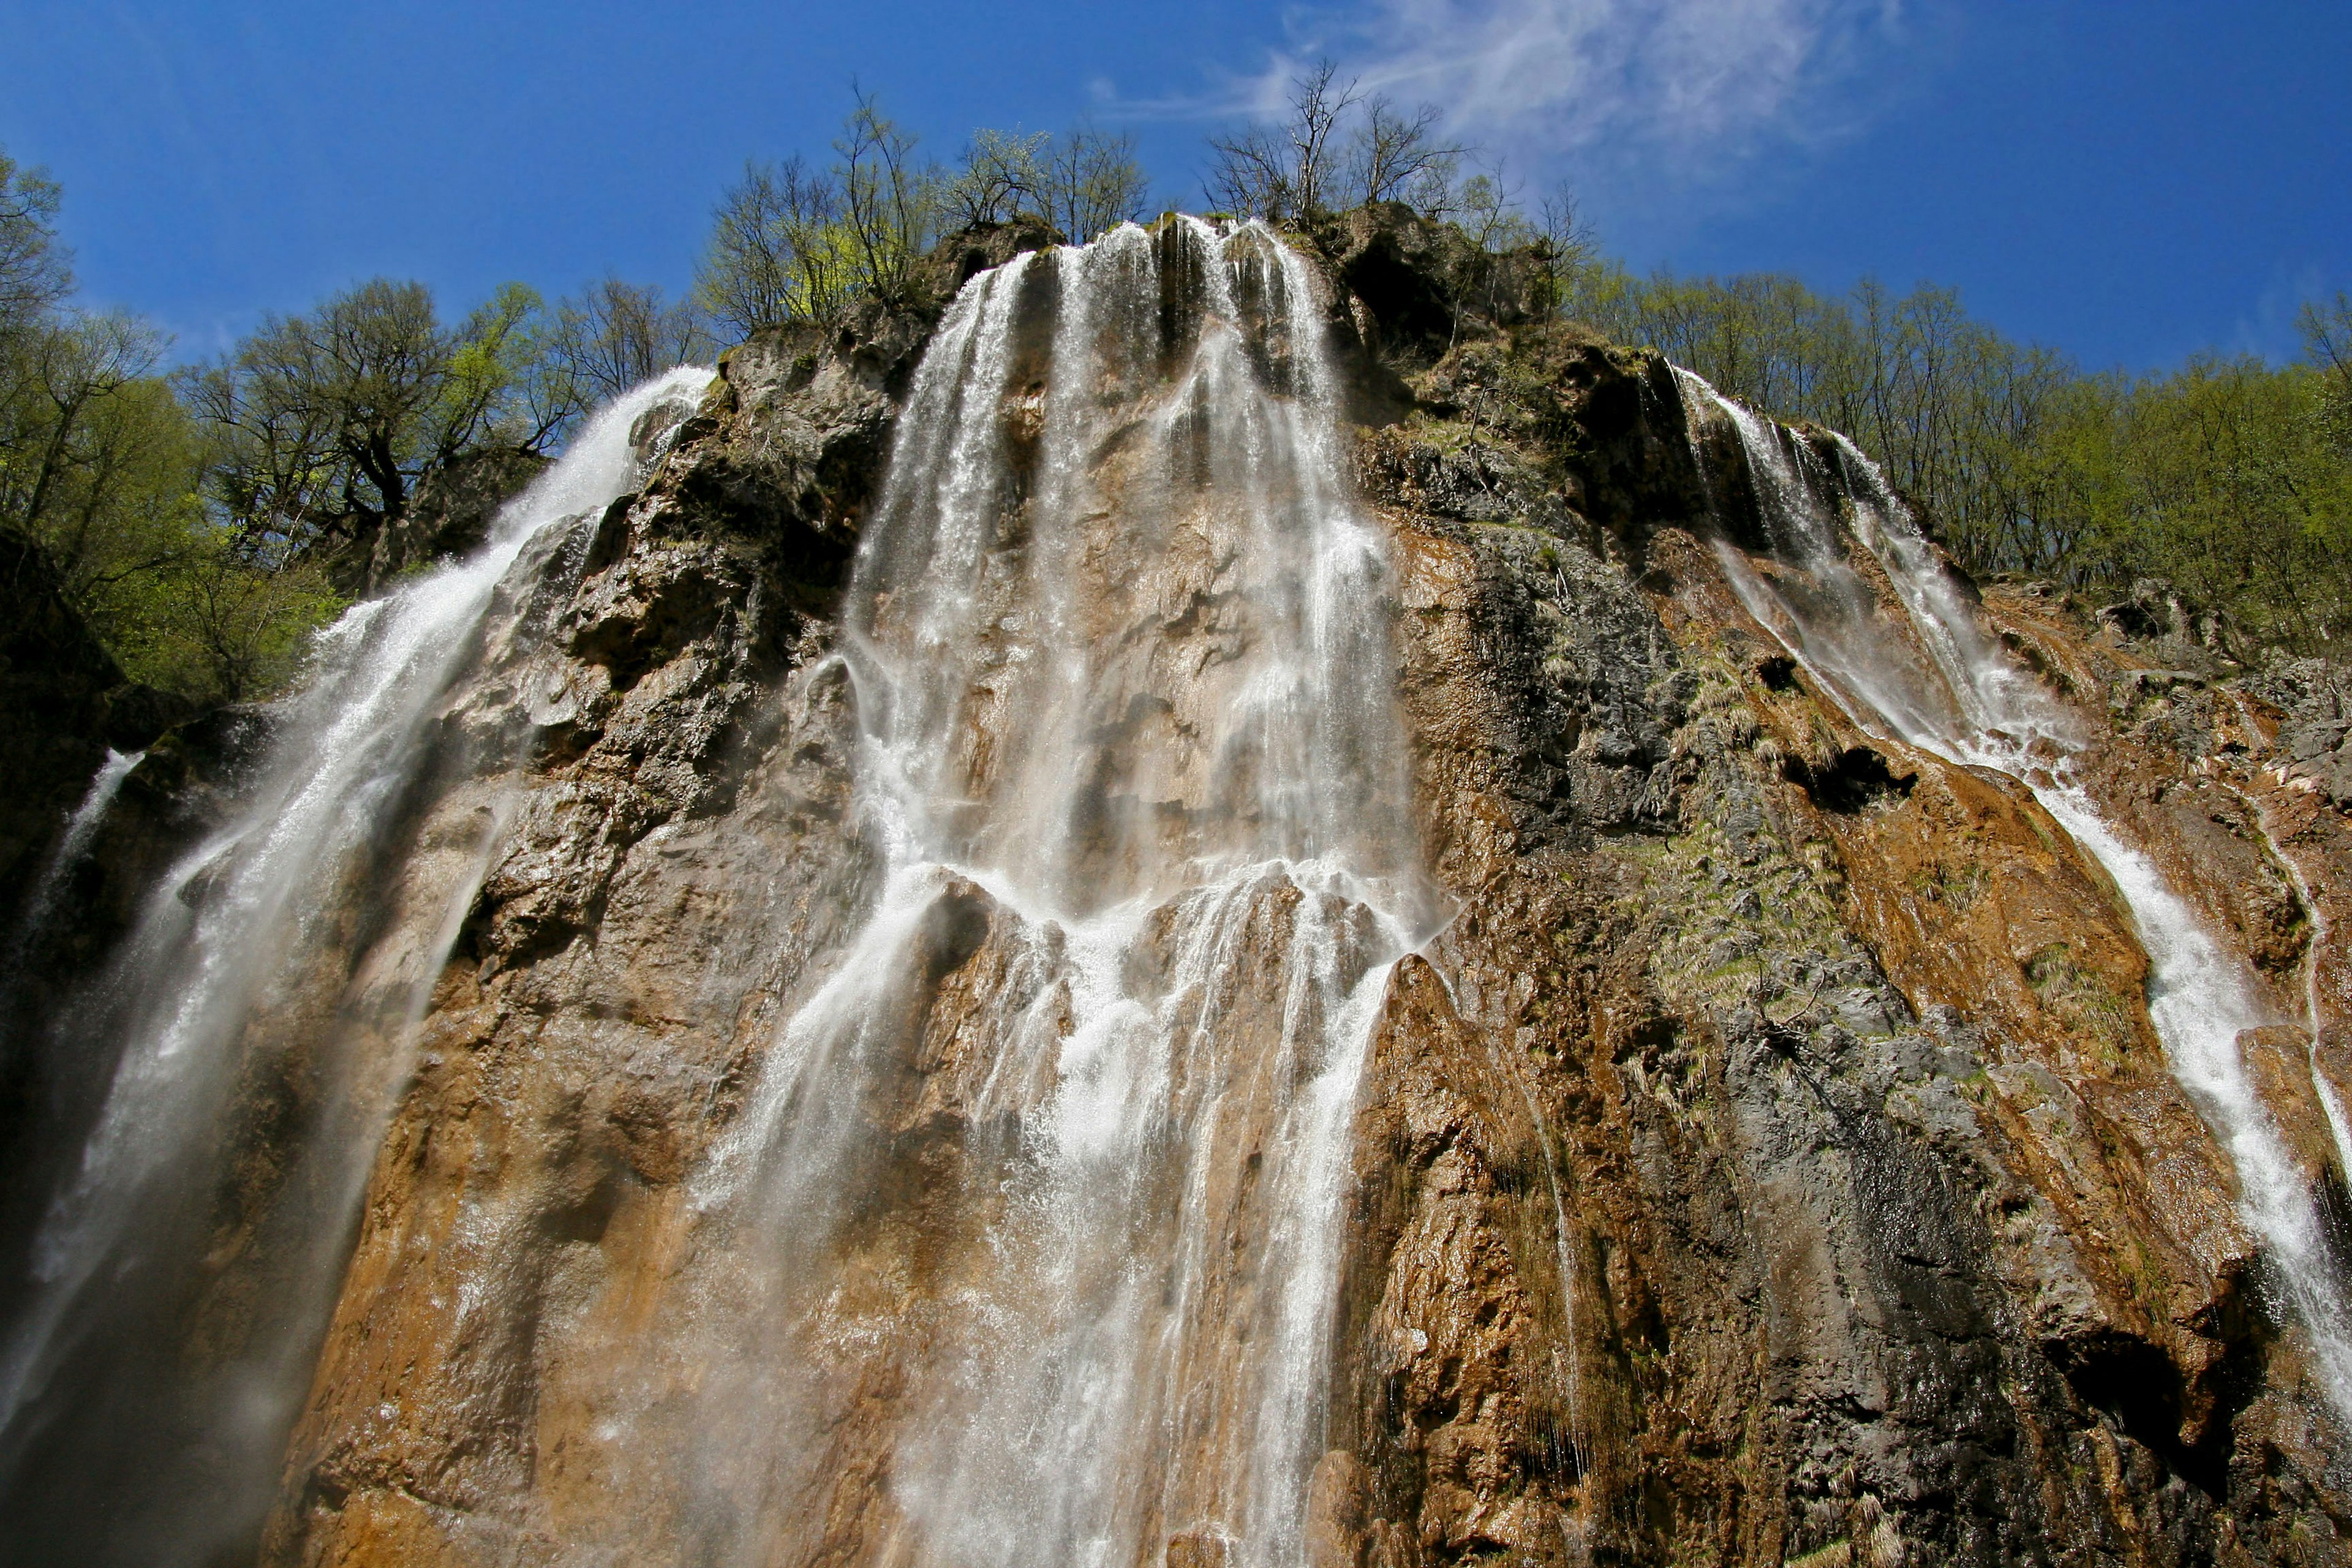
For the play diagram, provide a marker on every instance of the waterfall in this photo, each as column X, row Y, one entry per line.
column 1119, row 648
column 2331, row 1103
column 1021, row 1240
column 1941, row 683
column 81, row 828
column 164, row 1338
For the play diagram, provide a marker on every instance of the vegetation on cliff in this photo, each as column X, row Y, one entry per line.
column 203, row 521
column 2230, row 477
column 1773, row 1162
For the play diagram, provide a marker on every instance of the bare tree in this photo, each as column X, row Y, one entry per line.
column 1580, row 278
column 889, row 203
column 1079, row 185
column 1092, row 183
column 777, row 250
column 1003, row 175
column 616, row 334
column 1336, row 148
column 1249, row 174
column 1317, row 102
column 1396, row 156
column 1574, row 240
column 1290, row 171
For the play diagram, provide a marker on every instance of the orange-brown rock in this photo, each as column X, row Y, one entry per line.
column 1773, row 1161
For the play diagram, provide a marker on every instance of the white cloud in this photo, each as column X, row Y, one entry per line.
column 1700, row 81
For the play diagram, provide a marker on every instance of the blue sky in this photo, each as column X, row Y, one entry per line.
column 2129, row 183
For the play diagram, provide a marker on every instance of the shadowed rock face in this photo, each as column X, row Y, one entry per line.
column 450, row 515
column 1771, row 1158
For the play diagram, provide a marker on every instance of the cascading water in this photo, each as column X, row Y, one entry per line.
column 2331, row 1101
column 1119, row 648
column 1940, row 682
column 164, row 1337
column 82, row 829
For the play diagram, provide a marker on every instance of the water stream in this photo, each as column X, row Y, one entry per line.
column 81, row 828
column 1120, row 650
column 73, row 844
column 1937, row 680
column 174, row 1306
column 2331, row 1103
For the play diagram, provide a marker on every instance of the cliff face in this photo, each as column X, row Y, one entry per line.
column 1770, row 1158
column 1888, row 1230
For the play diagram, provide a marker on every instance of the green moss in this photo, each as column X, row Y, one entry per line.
column 2081, row 998
column 1836, row 1555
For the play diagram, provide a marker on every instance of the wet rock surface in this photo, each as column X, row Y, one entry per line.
column 1772, row 1160
column 65, row 702
column 1883, row 1232
column 450, row 515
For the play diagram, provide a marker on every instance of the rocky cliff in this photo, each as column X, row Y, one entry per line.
column 1771, row 1158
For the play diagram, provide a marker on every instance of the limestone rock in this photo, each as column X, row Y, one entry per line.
column 1772, row 1159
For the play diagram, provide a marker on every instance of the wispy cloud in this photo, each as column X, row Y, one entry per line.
column 1700, row 81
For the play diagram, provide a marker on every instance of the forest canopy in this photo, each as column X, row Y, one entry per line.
column 204, row 519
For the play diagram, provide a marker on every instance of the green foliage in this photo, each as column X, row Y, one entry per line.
column 777, row 250
column 2230, row 477
column 789, row 243
column 102, row 466
column 325, row 422
column 220, row 624
column 1080, row 185
column 890, row 203
column 2328, row 347
column 200, row 523
column 2224, row 478
column 792, row 243
column 35, row 274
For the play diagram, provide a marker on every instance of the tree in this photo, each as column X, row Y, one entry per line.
column 99, row 465
column 1285, row 172
column 65, row 375
column 1003, row 176
column 616, row 334
column 1079, row 186
column 1089, row 183
column 1396, row 156
column 2230, row 477
column 1488, row 211
column 778, row 251
column 788, row 243
column 102, row 467
column 1335, row 148
column 35, row 274
column 323, row 424
column 2328, row 348
column 889, row 203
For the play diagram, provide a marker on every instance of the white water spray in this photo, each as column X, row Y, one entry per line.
column 1120, row 643
column 1978, row 708
column 239, row 973
column 82, row 829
